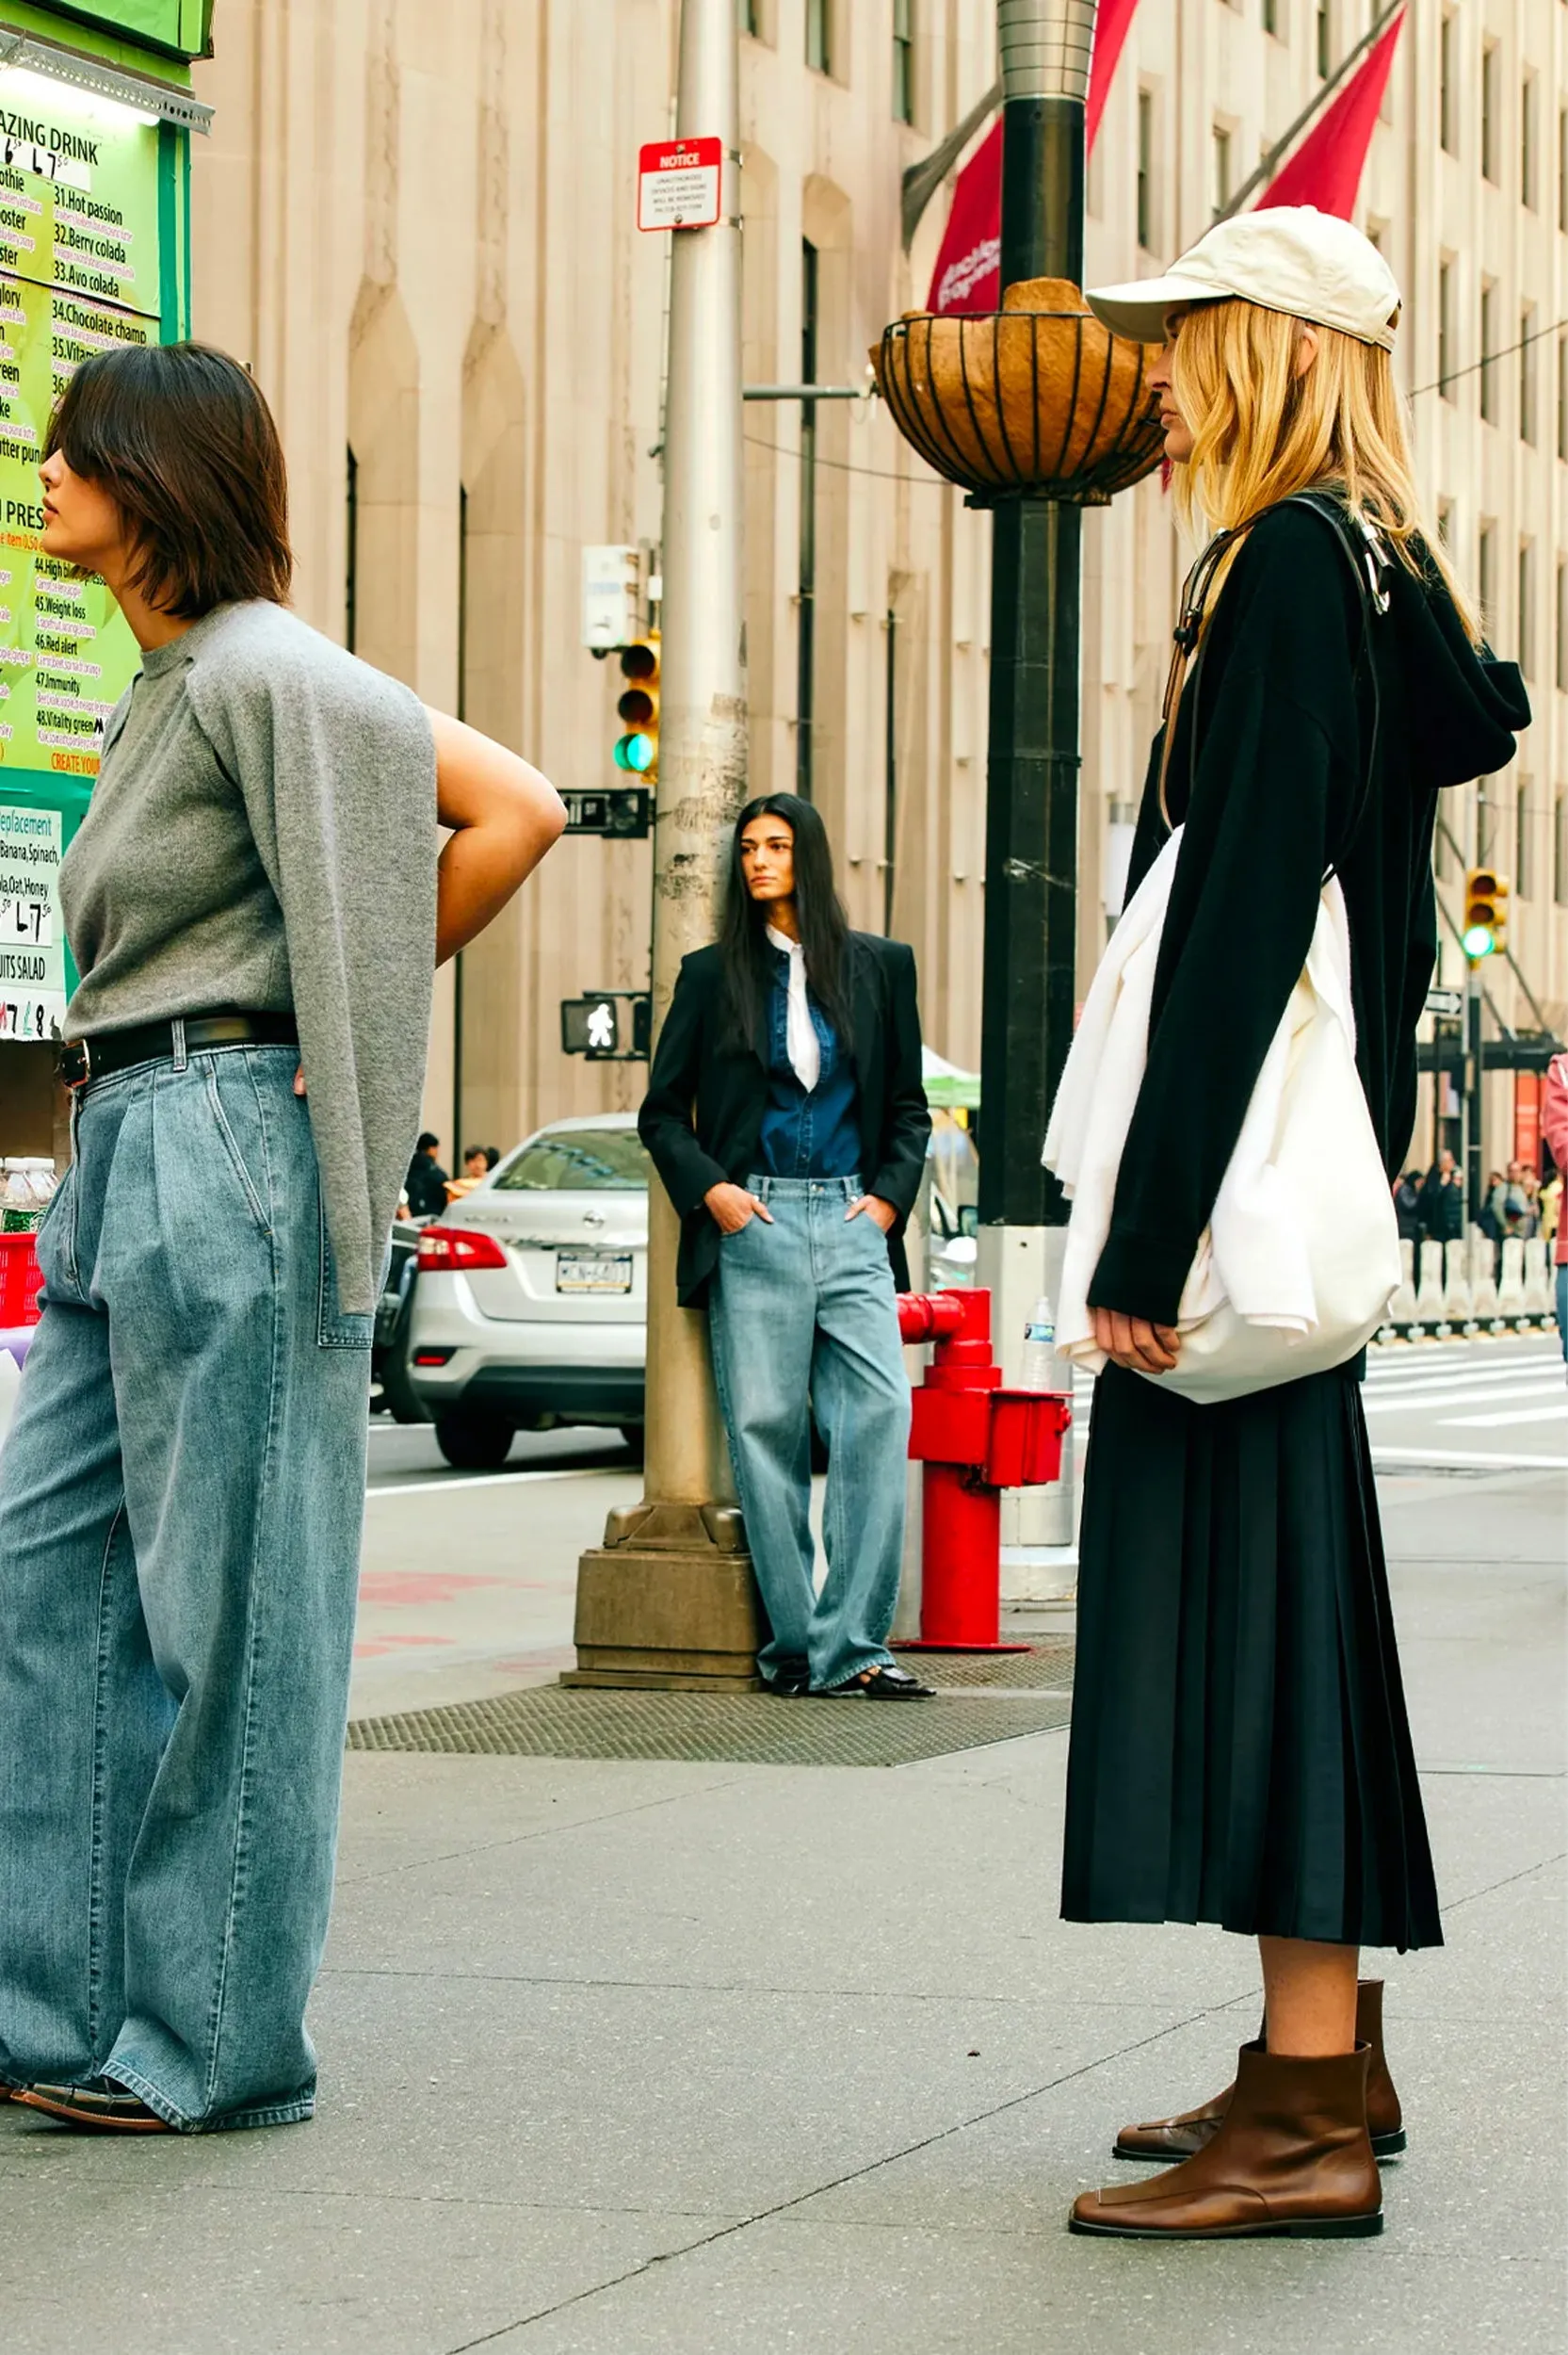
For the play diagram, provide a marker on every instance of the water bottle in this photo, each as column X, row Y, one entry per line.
column 1040, row 1343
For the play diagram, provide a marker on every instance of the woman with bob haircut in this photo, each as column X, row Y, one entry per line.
column 256, row 907
column 786, row 1116
column 1240, row 1750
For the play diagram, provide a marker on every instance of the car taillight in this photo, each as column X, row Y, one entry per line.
column 450, row 1247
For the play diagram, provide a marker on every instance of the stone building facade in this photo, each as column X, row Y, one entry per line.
column 417, row 226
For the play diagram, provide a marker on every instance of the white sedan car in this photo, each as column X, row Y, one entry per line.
column 530, row 1308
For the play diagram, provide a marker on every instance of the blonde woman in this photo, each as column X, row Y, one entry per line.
column 1241, row 1753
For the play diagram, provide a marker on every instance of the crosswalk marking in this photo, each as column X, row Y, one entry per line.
column 1489, row 1422
column 1405, row 1401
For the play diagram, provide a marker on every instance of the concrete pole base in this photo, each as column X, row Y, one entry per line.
column 668, row 1603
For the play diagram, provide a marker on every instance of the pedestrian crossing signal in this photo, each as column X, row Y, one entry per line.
column 1485, row 913
column 637, row 751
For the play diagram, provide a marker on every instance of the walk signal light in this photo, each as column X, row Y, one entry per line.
column 637, row 751
column 1485, row 913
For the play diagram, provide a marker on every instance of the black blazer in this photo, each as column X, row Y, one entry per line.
column 702, row 1117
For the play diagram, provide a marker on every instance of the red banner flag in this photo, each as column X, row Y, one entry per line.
column 1326, row 169
column 968, row 273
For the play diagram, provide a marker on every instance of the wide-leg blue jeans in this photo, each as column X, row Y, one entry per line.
column 803, row 1318
column 181, row 1501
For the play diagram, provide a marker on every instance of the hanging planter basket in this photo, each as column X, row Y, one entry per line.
column 1035, row 400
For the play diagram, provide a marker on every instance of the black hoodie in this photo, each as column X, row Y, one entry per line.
column 1281, row 726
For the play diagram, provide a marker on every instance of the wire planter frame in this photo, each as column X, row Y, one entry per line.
column 1023, row 403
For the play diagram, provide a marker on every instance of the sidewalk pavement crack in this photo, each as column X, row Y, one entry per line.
column 542, row 1831
column 1526, row 1872
column 853, row 2175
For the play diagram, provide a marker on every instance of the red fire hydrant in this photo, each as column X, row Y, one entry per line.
column 974, row 1439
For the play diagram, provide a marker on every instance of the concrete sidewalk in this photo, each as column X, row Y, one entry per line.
column 621, row 2058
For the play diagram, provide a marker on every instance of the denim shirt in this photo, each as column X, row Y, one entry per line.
column 815, row 1135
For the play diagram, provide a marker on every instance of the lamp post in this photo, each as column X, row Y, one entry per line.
column 1032, row 765
column 667, row 1600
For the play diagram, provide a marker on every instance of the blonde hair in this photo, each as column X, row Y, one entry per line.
column 1262, row 429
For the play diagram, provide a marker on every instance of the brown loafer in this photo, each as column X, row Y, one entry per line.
column 99, row 2106
column 1291, row 2156
column 1167, row 2139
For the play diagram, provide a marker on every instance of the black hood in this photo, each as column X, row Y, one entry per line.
column 1463, row 707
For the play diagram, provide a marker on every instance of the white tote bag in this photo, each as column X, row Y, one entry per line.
column 1295, row 1272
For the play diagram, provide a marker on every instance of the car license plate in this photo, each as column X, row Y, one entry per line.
column 593, row 1270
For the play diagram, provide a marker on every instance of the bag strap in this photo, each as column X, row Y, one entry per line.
column 1366, row 552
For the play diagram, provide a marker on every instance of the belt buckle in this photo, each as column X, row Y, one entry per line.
column 76, row 1064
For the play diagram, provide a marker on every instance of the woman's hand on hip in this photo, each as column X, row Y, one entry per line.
column 733, row 1208
column 1134, row 1342
column 874, row 1208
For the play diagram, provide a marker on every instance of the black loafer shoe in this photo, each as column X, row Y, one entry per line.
column 98, row 2107
column 882, row 1684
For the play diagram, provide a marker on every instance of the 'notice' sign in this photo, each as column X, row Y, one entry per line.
column 677, row 184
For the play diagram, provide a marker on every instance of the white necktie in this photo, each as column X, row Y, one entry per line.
column 804, row 1048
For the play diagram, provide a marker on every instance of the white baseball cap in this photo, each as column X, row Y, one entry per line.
column 1284, row 257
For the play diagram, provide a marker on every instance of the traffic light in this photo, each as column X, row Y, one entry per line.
column 1485, row 913
column 638, row 748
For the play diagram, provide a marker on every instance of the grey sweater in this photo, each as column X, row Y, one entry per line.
column 263, row 836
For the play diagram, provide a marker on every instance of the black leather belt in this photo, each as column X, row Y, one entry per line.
column 84, row 1059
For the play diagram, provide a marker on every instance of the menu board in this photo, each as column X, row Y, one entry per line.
column 79, row 203
column 66, row 653
column 32, row 943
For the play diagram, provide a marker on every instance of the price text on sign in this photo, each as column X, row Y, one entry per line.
column 677, row 184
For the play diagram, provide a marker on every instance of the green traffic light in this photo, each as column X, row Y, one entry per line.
column 1478, row 942
column 636, row 753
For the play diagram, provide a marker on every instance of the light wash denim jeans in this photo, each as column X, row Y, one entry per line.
column 181, row 1501
column 803, row 1310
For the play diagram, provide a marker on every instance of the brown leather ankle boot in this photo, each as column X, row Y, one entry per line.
column 1290, row 2155
column 1169, row 2138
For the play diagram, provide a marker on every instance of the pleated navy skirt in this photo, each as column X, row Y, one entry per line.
column 1241, row 1752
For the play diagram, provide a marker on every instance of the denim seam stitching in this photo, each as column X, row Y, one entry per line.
column 100, row 1756
column 258, row 1553
column 231, row 1144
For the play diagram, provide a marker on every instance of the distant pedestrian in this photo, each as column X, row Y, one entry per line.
column 1551, row 1207
column 1443, row 1201
column 786, row 1117
column 1407, row 1206
column 1241, row 1752
column 1554, row 1127
column 427, row 1181
column 476, row 1169
column 254, row 903
column 492, row 1155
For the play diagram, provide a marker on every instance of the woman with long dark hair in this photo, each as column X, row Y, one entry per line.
column 256, row 906
column 786, row 1117
column 1241, row 1752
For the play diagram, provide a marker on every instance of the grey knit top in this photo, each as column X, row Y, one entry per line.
column 263, row 838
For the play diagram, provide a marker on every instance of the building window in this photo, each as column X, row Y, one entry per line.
column 1527, row 92
column 1491, row 113
column 1489, row 350
column 1524, row 864
column 819, row 36
column 749, row 20
column 1222, row 167
column 1486, row 576
column 1325, row 40
column 903, row 61
column 1527, row 373
column 1445, row 362
column 1448, row 78
column 1146, row 169
column 805, row 673
column 352, row 559
column 1527, row 608
column 1271, row 17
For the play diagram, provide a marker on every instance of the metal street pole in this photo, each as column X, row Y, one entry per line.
column 1032, row 766
column 668, row 1598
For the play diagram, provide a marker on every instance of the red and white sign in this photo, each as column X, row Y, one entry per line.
column 677, row 184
